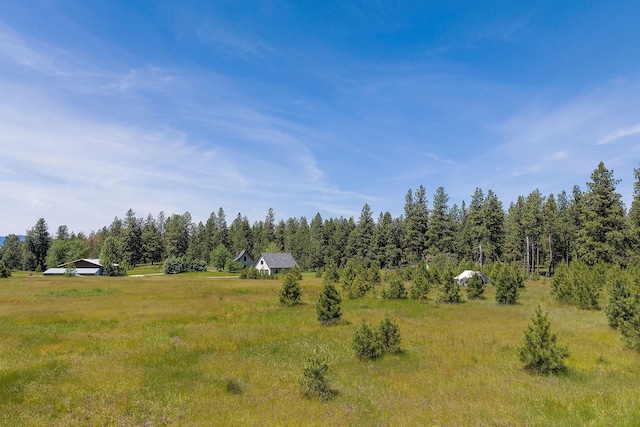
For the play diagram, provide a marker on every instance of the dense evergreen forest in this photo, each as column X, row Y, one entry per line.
column 538, row 231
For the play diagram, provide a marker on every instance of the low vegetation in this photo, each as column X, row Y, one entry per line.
column 197, row 349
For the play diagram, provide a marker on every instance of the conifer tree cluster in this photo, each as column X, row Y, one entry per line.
column 369, row 343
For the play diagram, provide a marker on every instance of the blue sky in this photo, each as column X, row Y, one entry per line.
column 305, row 106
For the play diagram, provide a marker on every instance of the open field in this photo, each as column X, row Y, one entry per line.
column 161, row 350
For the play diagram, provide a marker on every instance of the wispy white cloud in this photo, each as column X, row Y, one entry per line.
column 15, row 49
column 619, row 133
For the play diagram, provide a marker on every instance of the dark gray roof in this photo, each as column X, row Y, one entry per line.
column 83, row 262
column 279, row 260
column 241, row 254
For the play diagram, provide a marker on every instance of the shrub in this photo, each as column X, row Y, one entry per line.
column 389, row 336
column 396, row 289
column 420, row 288
column 538, row 349
column 358, row 287
column 328, row 305
column 631, row 331
column 561, row 286
column 234, row 266
column 176, row 265
column 622, row 305
column 233, row 387
column 313, row 382
column 4, row 270
column 290, row 292
column 475, row 287
column 449, row 290
column 331, row 274
column 507, row 282
column 365, row 343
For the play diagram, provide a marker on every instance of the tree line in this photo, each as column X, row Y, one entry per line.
column 537, row 231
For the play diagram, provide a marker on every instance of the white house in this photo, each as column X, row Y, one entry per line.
column 275, row 263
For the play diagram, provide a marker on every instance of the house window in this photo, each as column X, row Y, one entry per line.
column 261, row 262
column 245, row 259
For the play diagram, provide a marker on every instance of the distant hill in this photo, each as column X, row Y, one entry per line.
column 4, row 237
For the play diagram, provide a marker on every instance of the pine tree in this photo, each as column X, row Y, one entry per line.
column 36, row 246
column 623, row 299
column 415, row 225
column 4, row 270
column 389, row 335
column 313, row 382
column 440, row 237
column 290, row 292
column 328, row 305
column 538, row 349
column 448, row 289
column 602, row 235
column 396, row 289
column 111, row 257
column 475, row 287
column 365, row 342
column 507, row 283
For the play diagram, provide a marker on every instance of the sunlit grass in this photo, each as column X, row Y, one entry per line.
column 162, row 350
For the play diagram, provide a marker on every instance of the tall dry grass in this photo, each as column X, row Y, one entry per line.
column 163, row 350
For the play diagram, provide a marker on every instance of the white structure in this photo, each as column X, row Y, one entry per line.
column 467, row 274
column 81, row 267
column 275, row 263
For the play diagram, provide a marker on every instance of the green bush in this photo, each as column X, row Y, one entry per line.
column 358, row 287
column 538, row 349
column 420, row 288
column 328, row 305
column 475, row 287
column 396, row 289
column 368, row 343
column 313, row 382
column 176, row 265
column 507, row 281
column 233, row 387
column 4, row 270
column 389, row 336
column 449, row 290
column 290, row 292
column 365, row 343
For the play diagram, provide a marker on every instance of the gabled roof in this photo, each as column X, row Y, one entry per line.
column 278, row 260
column 241, row 254
column 83, row 261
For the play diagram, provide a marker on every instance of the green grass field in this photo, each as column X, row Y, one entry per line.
column 161, row 350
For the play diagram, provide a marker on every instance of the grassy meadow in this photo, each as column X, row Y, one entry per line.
column 162, row 350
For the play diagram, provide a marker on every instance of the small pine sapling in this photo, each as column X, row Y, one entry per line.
column 420, row 288
column 328, row 305
column 396, row 289
column 538, row 349
column 389, row 335
column 449, row 290
column 365, row 343
column 313, row 382
column 475, row 287
column 290, row 292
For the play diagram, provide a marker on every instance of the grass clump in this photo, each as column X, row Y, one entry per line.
column 233, row 387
